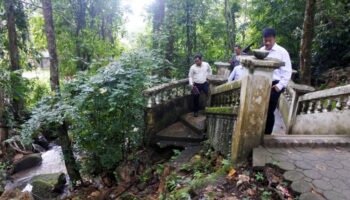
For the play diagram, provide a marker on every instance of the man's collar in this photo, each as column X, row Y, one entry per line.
column 274, row 47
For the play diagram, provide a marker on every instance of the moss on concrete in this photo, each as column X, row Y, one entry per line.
column 221, row 110
column 227, row 87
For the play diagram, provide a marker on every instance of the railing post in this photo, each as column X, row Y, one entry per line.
column 298, row 91
column 255, row 96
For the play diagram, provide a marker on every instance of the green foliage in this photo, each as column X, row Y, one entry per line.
column 105, row 111
column 259, row 176
column 3, row 175
column 39, row 89
column 266, row 195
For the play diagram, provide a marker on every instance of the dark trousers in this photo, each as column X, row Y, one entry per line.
column 204, row 87
column 270, row 121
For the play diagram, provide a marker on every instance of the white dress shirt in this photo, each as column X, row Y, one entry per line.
column 237, row 73
column 284, row 73
column 198, row 74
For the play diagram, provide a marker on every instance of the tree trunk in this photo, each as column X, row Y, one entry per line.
column 12, row 34
column 69, row 160
column 158, row 18
column 71, row 165
column 80, row 18
column 190, row 29
column 17, row 103
column 306, row 42
column 230, row 19
column 3, row 129
column 51, row 45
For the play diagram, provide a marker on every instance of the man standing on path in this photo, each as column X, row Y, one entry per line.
column 198, row 80
column 281, row 76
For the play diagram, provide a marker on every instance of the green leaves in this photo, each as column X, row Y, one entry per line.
column 104, row 111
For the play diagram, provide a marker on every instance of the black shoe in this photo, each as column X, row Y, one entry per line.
column 195, row 114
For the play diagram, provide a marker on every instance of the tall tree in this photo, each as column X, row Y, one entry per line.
column 51, row 45
column 80, row 7
column 10, row 6
column 190, row 22
column 158, row 18
column 12, row 34
column 66, row 144
column 306, row 42
column 230, row 16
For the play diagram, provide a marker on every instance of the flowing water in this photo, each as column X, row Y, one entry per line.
column 52, row 163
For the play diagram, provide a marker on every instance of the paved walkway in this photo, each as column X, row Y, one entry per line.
column 316, row 173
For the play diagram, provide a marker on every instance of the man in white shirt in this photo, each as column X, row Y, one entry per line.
column 237, row 73
column 198, row 80
column 281, row 76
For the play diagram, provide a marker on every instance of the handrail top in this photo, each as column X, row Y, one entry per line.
column 265, row 63
column 170, row 85
column 300, row 87
column 332, row 92
column 227, row 87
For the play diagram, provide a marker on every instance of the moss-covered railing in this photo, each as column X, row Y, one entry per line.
column 324, row 112
column 167, row 102
column 222, row 116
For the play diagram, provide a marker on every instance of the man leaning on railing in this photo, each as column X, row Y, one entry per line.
column 198, row 80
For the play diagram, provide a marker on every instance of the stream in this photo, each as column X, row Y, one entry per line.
column 52, row 163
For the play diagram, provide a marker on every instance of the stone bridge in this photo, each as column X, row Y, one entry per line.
column 234, row 114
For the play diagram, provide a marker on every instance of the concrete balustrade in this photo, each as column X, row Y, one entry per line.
column 325, row 112
column 288, row 101
column 238, row 110
column 167, row 102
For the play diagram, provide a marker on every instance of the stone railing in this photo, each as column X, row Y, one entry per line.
column 237, row 113
column 167, row 102
column 288, row 100
column 222, row 116
column 324, row 112
column 166, row 92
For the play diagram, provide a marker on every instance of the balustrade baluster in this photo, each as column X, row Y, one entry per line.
column 149, row 102
column 328, row 106
column 338, row 105
column 318, row 106
column 311, row 107
column 232, row 99
column 165, row 96
column 303, row 108
column 157, row 99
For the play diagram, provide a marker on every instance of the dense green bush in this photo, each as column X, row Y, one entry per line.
column 104, row 111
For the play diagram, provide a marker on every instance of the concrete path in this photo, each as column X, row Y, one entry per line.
column 315, row 173
column 279, row 127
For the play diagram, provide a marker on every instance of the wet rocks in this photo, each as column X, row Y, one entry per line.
column 27, row 162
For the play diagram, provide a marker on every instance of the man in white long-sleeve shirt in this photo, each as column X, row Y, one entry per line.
column 281, row 76
column 198, row 80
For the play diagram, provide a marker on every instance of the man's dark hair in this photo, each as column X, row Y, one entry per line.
column 199, row 56
column 238, row 46
column 269, row 32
